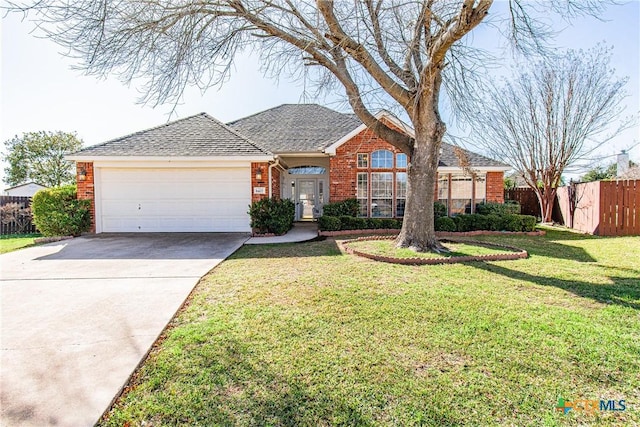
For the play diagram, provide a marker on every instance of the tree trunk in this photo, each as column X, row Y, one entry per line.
column 418, row 231
column 546, row 200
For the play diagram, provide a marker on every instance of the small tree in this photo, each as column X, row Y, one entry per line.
column 39, row 157
column 546, row 119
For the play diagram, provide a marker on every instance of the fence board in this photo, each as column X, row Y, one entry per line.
column 527, row 199
column 13, row 227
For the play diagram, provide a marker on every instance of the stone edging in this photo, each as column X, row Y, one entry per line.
column 394, row 231
column 516, row 254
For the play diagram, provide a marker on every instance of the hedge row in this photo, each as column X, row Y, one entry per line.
column 272, row 215
column 462, row 223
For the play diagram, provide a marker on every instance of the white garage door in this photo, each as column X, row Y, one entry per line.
column 174, row 200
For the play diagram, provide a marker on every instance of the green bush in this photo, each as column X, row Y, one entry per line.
column 272, row 215
column 528, row 222
column 353, row 223
column 439, row 210
column 329, row 223
column 512, row 222
column 390, row 223
column 375, row 223
column 445, row 224
column 498, row 208
column 348, row 207
column 58, row 212
column 494, row 222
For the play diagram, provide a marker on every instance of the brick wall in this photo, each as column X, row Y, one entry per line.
column 343, row 166
column 495, row 187
column 86, row 188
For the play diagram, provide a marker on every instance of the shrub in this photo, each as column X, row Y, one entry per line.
column 272, row 215
column 329, row 223
column 528, row 222
column 375, row 223
column 498, row 208
column 512, row 222
column 348, row 207
column 439, row 210
column 391, row 223
column 57, row 212
column 353, row 223
column 494, row 222
column 445, row 224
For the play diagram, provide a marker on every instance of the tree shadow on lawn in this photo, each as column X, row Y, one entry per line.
column 623, row 291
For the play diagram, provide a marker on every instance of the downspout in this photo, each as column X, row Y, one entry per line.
column 271, row 166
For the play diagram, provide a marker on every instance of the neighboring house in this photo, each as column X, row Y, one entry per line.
column 198, row 174
column 632, row 172
column 24, row 190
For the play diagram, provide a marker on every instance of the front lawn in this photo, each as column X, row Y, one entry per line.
column 14, row 242
column 303, row 335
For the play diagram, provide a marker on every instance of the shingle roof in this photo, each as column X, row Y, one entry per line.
column 195, row 136
column 291, row 128
column 448, row 158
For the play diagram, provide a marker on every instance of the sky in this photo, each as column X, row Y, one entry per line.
column 39, row 90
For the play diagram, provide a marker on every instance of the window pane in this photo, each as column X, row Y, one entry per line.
column 363, row 160
column 443, row 189
column 382, row 159
column 401, row 160
column 307, row 170
column 461, row 187
column 481, row 188
column 382, row 194
column 401, row 192
column 363, row 193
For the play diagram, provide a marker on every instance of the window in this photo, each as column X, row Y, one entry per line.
column 363, row 193
column 307, row 170
column 443, row 189
column 481, row 189
column 461, row 194
column 401, row 193
column 382, row 194
column 382, row 159
column 363, row 160
column 401, row 161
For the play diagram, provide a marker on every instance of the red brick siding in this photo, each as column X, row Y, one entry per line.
column 275, row 183
column 86, row 189
column 495, row 187
column 343, row 167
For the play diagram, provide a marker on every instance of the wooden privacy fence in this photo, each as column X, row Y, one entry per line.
column 604, row 208
column 527, row 199
column 16, row 215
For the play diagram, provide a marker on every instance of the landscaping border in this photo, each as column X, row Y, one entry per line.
column 394, row 231
column 517, row 253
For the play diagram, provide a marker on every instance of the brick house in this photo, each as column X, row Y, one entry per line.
column 198, row 174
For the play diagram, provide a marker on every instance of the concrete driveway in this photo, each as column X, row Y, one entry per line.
column 79, row 315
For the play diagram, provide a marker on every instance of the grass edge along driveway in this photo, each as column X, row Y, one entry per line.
column 303, row 335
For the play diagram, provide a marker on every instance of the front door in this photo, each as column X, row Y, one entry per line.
column 307, row 198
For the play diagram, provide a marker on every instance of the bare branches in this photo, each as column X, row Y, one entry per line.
column 545, row 120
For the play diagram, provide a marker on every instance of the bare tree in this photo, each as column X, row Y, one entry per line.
column 401, row 50
column 546, row 119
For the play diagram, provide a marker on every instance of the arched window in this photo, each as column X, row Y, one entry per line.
column 382, row 159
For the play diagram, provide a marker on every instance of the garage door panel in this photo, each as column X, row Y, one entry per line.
column 164, row 200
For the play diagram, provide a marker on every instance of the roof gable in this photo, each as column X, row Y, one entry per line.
column 196, row 136
column 448, row 157
column 296, row 128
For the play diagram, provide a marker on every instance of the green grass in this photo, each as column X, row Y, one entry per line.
column 387, row 248
column 14, row 242
column 303, row 335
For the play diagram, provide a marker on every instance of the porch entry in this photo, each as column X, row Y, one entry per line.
column 309, row 193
